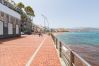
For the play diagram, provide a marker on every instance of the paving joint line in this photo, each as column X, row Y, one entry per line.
column 35, row 53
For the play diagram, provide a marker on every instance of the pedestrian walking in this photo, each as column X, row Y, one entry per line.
column 40, row 34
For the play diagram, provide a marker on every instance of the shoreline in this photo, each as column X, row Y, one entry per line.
column 57, row 33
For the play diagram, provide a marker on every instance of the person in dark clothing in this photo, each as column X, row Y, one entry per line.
column 40, row 34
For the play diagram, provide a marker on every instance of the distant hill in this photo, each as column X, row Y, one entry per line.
column 84, row 30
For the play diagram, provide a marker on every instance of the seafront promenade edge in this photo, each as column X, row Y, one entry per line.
column 70, row 57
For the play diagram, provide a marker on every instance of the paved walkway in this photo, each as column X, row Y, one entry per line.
column 29, row 50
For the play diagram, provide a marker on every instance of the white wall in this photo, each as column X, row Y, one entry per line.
column 10, row 28
column 9, row 11
column 17, row 29
column 1, row 28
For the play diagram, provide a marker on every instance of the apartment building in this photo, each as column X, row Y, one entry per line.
column 9, row 21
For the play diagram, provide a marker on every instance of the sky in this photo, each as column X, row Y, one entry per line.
column 65, row 13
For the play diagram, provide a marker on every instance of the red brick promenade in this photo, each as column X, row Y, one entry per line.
column 29, row 50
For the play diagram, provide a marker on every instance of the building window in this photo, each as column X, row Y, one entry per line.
column 1, row 1
column 11, row 19
column 19, row 22
column 7, row 18
column 16, row 21
column 2, row 14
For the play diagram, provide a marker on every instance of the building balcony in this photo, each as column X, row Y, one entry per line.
column 1, row 1
column 11, row 6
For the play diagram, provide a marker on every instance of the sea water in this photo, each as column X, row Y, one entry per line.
column 87, row 38
column 86, row 44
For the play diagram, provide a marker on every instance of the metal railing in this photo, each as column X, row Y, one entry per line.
column 70, row 57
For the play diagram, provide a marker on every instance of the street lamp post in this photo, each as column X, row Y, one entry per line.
column 45, row 18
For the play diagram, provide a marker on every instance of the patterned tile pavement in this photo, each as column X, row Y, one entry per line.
column 18, row 51
column 47, row 56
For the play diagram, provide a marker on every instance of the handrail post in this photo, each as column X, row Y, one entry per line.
column 71, row 58
column 56, row 44
column 60, row 49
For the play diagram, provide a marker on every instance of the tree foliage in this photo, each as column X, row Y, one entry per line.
column 20, row 5
column 29, row 11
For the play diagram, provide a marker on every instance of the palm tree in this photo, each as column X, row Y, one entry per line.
column 24, row 16
column 29, row 11
column 20, row 5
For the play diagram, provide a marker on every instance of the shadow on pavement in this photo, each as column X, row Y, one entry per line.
column 10, row 39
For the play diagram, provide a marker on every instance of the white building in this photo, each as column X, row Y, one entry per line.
column 9, row 21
